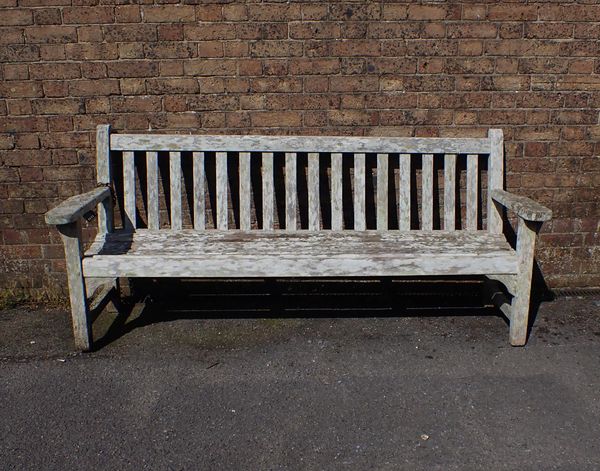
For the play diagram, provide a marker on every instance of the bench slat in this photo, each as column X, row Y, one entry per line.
column 313, row 191
column 129, row 190
column 382, row 192
column 267, row 190
column 199, row 191
column 175, row 174
column 449, row 192
column 359, row 192
column 245, row 197
column 337, row 211
column 427, row 192
column 472, row 175
column 222, row 214
column 104, row 177
column 152, row 188
column 291, row 192
column 495, row 178
column 404, row 192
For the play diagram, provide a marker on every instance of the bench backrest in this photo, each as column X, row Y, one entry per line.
column 293, row 183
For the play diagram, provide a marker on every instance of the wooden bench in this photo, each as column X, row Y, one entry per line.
column 274, row 206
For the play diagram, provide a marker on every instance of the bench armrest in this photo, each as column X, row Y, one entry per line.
column 523, row 207
column 76, row 206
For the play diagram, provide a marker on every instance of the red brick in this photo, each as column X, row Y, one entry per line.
column 130, row 33
column 168, row 14
column 127, row 14
column 132, row 69
column 47, row 16
column 85, row 15
column 511, row 11
column 51, row 34
column 13, row 17
column 427, row 12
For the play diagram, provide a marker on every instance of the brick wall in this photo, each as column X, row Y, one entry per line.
column 363, row 68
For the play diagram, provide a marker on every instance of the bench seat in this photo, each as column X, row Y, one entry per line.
column 190, row 253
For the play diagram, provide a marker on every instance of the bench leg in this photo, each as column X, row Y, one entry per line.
column 526, row 235
column 71, row 236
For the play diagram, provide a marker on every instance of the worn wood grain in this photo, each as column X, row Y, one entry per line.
column 360, row 222
column 404, row 193
column 427, row 192
column 337, row 208
column 291, row 191
column 75, row 207
column 313, row 191
column 152, row 190
column 411, row 145
column 245, row 195
column 472, row 193
column 175, row 177
column 450, row 192
column 104, row 176
column 522, row 206
column 221, row 177
column 199, row 178
column 268, row 191
column 129, row 190
column 382, row 192
column 495, row 178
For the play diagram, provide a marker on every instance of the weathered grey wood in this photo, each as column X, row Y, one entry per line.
column 526, row 235
column 507, row 280
column 175, row 175
column 71, row 236
column 493, row 292
column 313, row 191
column 337, row 210
column 76, row 206
column 222, row 210
column 382, row 192
column 472, row 184
column 291, row 191
column 411, row 145
column 300, row 253
column 427, row 192
column 103, row 176
column 268, row 190
column 129, row 190
column 495, row 178
column 245, row 196
column 449, row 192
column 199, row 191
column 522, row 206
column 404, row 192
column 360, row 222
column 152, row 187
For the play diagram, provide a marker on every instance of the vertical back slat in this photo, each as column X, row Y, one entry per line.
column 404, row 193
column 337, row 211
column 245, row 198
column 175, row 173
column 103, row 177
column 472, row 171
column 313, row 191
column 199, row 191
column 222, row 214
column 152, row 187
column 291, row 192
column 495, row 179
column 382, row 192
column 267, row 190
column 129, row 189
column 360, row 223
column 427, row 192
column 449, row 192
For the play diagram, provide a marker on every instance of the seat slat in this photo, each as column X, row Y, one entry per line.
column 472, row 183
column 427, row 192
column 382, row 192
column 449, row 192
column 199, row 191
column 129, row 190
column 152, row 187
column 267, row 190
column 175, row 173
column 360, row 223
column 313, row 191
column 245, row 196
column 337, row 211
column 291, row 191
column 404, row 192
column 222, row 212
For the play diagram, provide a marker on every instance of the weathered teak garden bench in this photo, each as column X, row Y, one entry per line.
column 343, row 207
